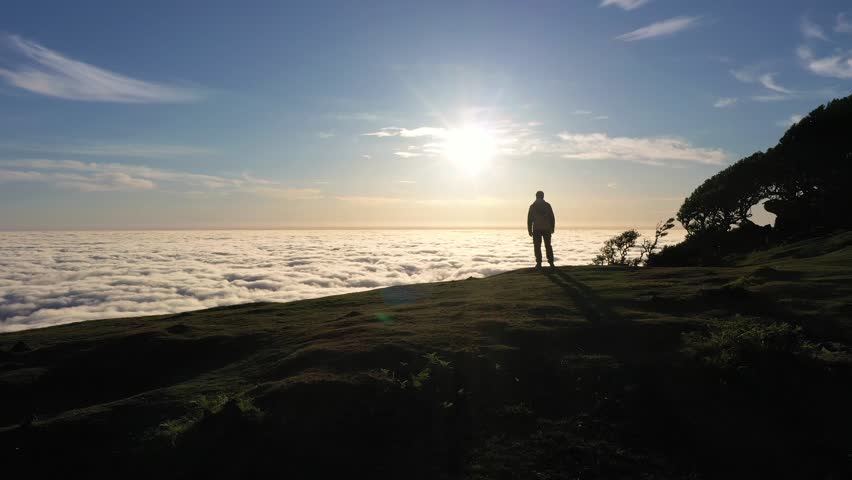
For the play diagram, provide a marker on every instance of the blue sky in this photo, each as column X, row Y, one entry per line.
column 273, row 114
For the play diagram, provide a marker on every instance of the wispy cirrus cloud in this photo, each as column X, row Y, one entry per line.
column 768, row 81
column 91, row 182
column 757, row 75
column 111, row 149
column 725, row 103
column 408, row 133
column 645, row 150
column 515, row 140
column 838, row 65
column 812, row 30
column 660, row 29
column 745, row 75
column 508, row 138
column 104, row 182
column 584, row 113
column 771, row 97
column 96, row 170
column 96, row 177
column 624, row 4
column 110, row 177
column 47, row 72
column 287, row 193
column 844, row 23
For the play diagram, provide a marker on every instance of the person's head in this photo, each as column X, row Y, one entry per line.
column 539, row 195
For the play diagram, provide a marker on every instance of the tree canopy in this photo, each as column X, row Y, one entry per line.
column 804, row 179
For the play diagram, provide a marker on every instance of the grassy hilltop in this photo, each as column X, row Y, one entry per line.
column 578, row 372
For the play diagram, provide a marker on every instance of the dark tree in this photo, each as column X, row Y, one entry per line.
column 804, row 180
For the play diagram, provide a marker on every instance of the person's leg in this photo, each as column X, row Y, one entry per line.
column 548, row 248
column 537, row 247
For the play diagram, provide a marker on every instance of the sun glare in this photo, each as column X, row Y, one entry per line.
column 470, row 148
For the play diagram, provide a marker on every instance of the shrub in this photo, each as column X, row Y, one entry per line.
column 616, row 250
column 205, row 407
column 714, row 248
column 741, row 342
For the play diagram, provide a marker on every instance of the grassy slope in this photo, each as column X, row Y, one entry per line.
column 574, row 372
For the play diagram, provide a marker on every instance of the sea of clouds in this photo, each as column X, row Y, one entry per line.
column 49, row 278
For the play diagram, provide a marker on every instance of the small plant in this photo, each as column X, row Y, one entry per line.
column 434, row 359
column 246, row 406
column 204, row 406
column 211, row 405
column 172, row 429
column 422, row 377
column 413, row 380
column 740, row 342
column 617, row 249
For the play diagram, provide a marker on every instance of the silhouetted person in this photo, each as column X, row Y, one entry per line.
column 541, row 223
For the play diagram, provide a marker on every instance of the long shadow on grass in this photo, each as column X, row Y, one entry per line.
column 587, row 301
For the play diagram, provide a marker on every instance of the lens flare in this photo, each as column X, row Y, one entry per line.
column 471, row 148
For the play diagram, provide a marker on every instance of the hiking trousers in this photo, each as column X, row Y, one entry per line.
column 537, row 236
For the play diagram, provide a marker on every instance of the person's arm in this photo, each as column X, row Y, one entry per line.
column 529, row 221
column 552, row 221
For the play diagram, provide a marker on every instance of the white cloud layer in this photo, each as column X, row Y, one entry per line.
column 49, row 278
column 624, row 4
column 660, row 29
column 46, row 72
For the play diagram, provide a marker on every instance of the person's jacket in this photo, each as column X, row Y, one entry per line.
column 540, row 217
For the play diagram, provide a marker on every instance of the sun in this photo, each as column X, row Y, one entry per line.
column 470, row 148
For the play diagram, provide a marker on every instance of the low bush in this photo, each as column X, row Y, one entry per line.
column 742, row 342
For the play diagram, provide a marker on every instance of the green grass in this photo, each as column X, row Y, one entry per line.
column 577, row 372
